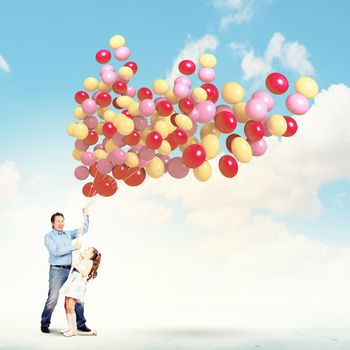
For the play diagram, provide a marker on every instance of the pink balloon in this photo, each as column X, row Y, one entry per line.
column 193, row 130
column 206, row 111
column 181, row 90
column 106, row 68
column 104, row 166
column 81, row 145
column 118, row 140
column 177, row 168
column 98, row 146
column 258, row 147
column 89, row 106
column 142, row 163
column 194, row 115
column 140, row 123
column 147, row 107
column 206, row 74
column 81, row 172
column 136, row 148
column 146, row 153
column 266, row 97
column 122, row 53
column 109, row 78
column 183, row 80
column 297, row 103
column 221, row 108
column 256, row 109
column 166, row 160
column 130, row 91
column 266, row 130
column 88, row 158
column 117, row 157
column 91, row 122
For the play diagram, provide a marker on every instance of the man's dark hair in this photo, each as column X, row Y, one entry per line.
column 54, row 215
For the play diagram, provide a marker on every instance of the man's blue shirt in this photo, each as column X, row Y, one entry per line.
column 59, row 244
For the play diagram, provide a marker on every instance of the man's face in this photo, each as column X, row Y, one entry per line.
column 58, row 223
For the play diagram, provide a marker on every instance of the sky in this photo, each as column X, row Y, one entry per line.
column 259, row 249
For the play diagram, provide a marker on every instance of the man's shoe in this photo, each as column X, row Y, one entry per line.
column 84, row 329
column 45, row 329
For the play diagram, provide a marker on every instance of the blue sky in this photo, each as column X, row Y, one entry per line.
column 50, row 49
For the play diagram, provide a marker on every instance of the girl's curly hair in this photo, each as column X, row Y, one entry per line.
column 96, row 258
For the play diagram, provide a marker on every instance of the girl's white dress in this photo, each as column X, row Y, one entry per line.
column 75, row 285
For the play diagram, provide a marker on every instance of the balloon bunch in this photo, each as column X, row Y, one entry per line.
column 152, row 131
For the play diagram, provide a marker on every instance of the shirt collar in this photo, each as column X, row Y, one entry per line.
column 57, row 232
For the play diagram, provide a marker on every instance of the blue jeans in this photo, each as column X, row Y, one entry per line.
column 57, row 276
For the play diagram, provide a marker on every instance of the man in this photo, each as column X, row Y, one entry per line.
column 60, row 247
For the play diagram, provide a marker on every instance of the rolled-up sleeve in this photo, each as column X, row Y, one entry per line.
column 74, row 233
column 54, row 249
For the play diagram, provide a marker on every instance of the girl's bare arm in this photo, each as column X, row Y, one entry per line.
column 83, row 270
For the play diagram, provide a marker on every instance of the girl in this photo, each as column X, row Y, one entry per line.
column 74, row 288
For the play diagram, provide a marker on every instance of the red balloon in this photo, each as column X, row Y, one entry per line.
column 120, row 171
column 194, row 156
column 254, row 130
column 93, row 170
column 108, row 129
column 229, row 141
column 172, row 142
column 89, row 190
column 132, row 139
column 103, row 56
column 228, row 166
column 186, row 105
column 187, row 67
column 135, row 176
column 127, row 113
column 119, row 87
column 154, row 140
column 115, row 104
column 132, row 65
column 144, row 93
column 277, row 83
column 164, row 107
column 172, row 119
column 225, row 121
column 81, row 96
column 103, row 99
column 292, row 127
column 92, row 138
column 212, row 92
column 180, row 136
column 105, row 186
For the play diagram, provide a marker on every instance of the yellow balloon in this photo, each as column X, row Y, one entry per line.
column 203, row 173
column 276, row 124
column 161, row 127
column 126, row 73
column 171, row 97
column 232, row 92
column 81, row 131
column 155, row 117
column 104, row 87
column 207, row 60
column 118, row 118
column 132, row 160
column 70, row 128
column 239, row 112
column 144, row 133
column 101, row 111
column 160, row 87
column 211, row 144
column 170, row 125
column 78, row 113
column 124, row 101
column 134, row 109
column 100, row 154
column 190, row 141
column 209, row 128
column 199, row 94
column 183, row 122
column 77, row 154
column 241, row 150
column 109, row 115
column 116, row 41
column 99, row 128
column 110, row 146
column 126, row 126
column 90, row 84
column 164, row 148
column 307, row 87
column 155, row 168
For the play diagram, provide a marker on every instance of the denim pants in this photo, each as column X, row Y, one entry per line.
column 57, row 277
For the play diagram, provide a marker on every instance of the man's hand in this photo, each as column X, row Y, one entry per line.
column 86, row 211
column 78, row 244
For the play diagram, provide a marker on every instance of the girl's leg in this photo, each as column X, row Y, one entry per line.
column 72, row 320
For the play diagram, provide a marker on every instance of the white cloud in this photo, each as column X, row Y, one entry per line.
column 4, row 65
column 37, row 179
column 291, row 55
column 192, row 51
column 234, row 11
column 9, row 180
